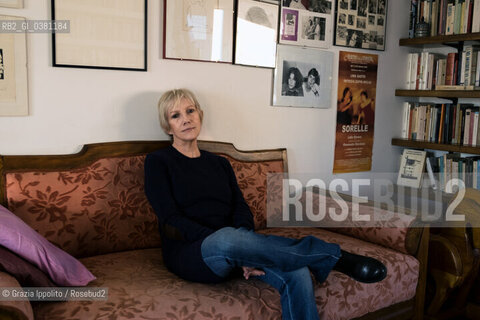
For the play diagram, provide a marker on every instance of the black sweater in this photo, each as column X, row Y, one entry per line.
column 192, row 198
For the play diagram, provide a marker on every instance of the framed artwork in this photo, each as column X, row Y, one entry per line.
column 306, row 23
column 199, row 30
column 303, row 77
column 256, row 33
column 11, row 3
column 13, row 72
column 411, row 169
column 103, row 34
column 361, row 24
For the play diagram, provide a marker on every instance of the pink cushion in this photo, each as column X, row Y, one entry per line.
column 62, row 268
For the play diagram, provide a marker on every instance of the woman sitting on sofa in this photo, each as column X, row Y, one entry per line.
column 207, row 227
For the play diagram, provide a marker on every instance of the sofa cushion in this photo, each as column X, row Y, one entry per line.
column 252, row 178
column 140, row 287
column 20, row 238
column 26, row 273
column 97, row 209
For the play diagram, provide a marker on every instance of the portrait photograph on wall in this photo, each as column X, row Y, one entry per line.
column 303, row 77
column 199, row 30
column 306, row 23
column 360, row 24
column 103, row 34
column 13, row 72
column 256, row 34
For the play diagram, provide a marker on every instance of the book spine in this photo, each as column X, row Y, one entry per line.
column 476, row 16
column 413, row 19
column 409, row 71
column 475, row 129
column 467, row 127
column 470, row 128
column 450, row 68
column 450, row 18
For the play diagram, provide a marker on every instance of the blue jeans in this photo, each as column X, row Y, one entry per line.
column 287, row 264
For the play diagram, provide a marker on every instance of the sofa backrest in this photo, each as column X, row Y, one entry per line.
column 93, row 202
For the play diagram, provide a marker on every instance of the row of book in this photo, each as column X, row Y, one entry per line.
column 441, row 123
column 429, row 71
column 445, row 17
column 452, row 166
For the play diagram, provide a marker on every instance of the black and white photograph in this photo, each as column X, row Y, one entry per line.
column 320, row 6
column 296, row 4
column 380, row 20
column 313, row 29
column 372, row 6
column 299, row 82
column 362, row 8
column 354, row 38
column 256, row 36
column 366, row 27
column 353, row 4
column 361, row 23
column 381, row 7
column 351, row 20
column 343, row 4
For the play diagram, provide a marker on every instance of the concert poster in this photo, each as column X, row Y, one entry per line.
column 357, row 85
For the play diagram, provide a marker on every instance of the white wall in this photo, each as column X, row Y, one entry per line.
column 70, row 107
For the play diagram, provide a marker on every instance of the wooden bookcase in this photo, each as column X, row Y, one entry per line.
column 456, row 246
column 457, row 41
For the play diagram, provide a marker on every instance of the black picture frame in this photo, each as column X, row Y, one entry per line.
column 361, row 24
column 136, row 54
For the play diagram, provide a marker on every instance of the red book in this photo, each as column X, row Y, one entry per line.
column 450, row 69
column 470, row 17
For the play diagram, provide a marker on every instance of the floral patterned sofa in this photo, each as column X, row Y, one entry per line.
column 92, row 205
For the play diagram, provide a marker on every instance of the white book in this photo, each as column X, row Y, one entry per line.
column 467, row 127
column 424, row 71
column 413, row 75
column 475, row 129
column 405, row 119
column 476, row 16
column 462, row 72
column 409, row 72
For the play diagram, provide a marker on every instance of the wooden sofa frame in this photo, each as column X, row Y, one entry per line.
column 418, row 247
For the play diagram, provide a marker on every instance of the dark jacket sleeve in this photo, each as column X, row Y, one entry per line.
column 158, row 191
column 241, row 214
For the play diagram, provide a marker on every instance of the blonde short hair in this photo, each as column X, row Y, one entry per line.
column 169, row 100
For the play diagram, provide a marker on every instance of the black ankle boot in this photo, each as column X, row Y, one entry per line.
column 361, row 268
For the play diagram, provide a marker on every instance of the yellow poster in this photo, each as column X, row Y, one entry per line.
column 357, row 86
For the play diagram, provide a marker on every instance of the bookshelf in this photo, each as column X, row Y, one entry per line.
column 435, row 146
column 441, row 40
column 457, row 41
